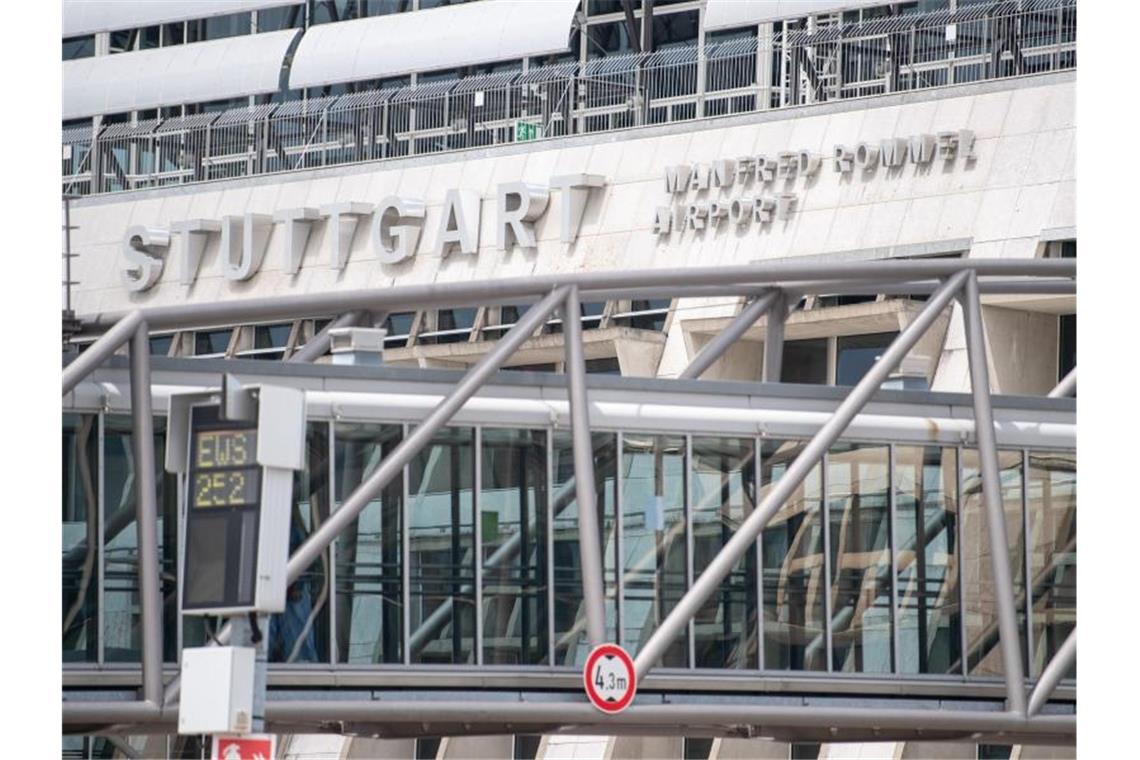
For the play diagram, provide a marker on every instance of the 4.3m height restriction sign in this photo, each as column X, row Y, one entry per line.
column 609, row 678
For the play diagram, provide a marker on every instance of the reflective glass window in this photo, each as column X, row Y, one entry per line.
column 301, row 633
column 212, row 342
column 160, row 344
column 609, row 39
column 983, row 653
column 653, row 539
column 855, row 354
column 792, row 562
column 275, row 19
column 805, row 361
column 1052, row 496
column 80, row 537
column 441, row 517
column 78, row 47
column 512, row 506
column 384, row 7
column 672, row 29
column 926, row 532
column 608, row 365
column 218, row 27
column 1067, row 345
column 369, row 553
column 570, row 643
column 859, row 523
column 724, row 492
column 122, row 616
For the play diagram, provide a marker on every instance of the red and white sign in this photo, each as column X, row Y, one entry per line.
column 609, row 678
column 247, row 747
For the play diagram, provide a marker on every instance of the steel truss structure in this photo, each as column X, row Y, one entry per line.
column 739, row 75
column 771, row 287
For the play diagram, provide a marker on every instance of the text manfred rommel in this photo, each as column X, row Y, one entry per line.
column 775, row 177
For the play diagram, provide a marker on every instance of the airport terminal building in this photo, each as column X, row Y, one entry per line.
column 782, row 293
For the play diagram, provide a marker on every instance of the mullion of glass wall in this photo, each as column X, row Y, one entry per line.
column 571, row 645
column 723, row 495
column 369, row 567
column 300, row 634
column 122, row 616
column 513, row 523
column 860, row 558
column 982, row 650
column 794, row 578
column 654, row 559
column 928, row 610
column 441, row 532
column 82, row 549
column 477, row 537
column 1052, row 518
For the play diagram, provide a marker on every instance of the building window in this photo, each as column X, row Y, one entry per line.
column 269, row 342
column 399, row 327
column 1067, row 345
column 78, row 47
column 804, row 751
column 212, row 343
column 805, row 361
column 160, row 345
column 856, row 354
column 645, row 314
column 605, row 366
column 384, row 7
column 526, row 746
column 696, row 747
column 276, row 19
column 218, row 27
column 451, row 326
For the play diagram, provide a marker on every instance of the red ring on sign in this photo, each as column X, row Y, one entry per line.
column 613, row 650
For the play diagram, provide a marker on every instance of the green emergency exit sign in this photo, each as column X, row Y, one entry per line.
column 525, row 131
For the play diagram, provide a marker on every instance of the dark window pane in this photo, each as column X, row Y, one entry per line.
column 384, row 7
column 526, row 746
column 804, row 751
column 149, row 37
column 513, row 523
column 212, row 341
column 805, row 361
column 653, row 539
column 855, row 354
column 926, row 531
column 398, row 325
column 427, row 747
column 859, row 522
column 123, row 40
column 271, row 336
column 78, row 47
column 442, row 533
column 570, row 643
column 80, row 537
column 793, row 567
column 233, row 25
column 160, row 345
column 274, row 19
column 1052, row 518
column 994, row 751
column 1067, row 350
column 369, row 556
column 598, row 7
column 671, row 29
column 697, row 747
column 173, row 34
column 609, row 39
column 532, row 368
column 606, row 366
column 724, row 493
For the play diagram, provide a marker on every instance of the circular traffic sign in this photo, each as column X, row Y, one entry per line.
column 609, row 678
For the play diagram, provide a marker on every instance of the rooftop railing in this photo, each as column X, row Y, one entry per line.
column 730, row 76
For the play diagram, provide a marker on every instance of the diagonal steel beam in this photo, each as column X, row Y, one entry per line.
column 589, row 533
column 1066, row 387
column 991, row 496
column 99, row 351
column 1056, row 669
column 745, row 537
column 394, row 463
column 774, row 340
column 724, row 340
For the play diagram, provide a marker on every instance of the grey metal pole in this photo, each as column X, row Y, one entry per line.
column 991, row 495
column 146, row 512
column 394, row 463
column 1053, row 673
column 589, row 534
column 319, row 345
column 744, row 538
column 774, row 340
column 99, row 351
column 1066, row 387
column 724, row 340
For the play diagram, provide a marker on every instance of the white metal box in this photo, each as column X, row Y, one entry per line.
column 217, row 690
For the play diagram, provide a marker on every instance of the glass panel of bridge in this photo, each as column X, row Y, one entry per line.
column 1052, row 495
column 122, row 621
column 369, row 553
column 859, row 524
column 301, row 633
column 80, row 537
column 653, row 538
column 926, row 532
column 792, row 562
column 983, row 651
column 512, row 503
column 724, row 493
column 570, row 643
column 441, row 516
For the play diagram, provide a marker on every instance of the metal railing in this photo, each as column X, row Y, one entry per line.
column 731, row 76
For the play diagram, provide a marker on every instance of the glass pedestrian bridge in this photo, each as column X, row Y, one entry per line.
column 873, row 581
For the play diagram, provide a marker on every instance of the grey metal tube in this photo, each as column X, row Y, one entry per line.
column 774, row 340
column 1053, row 673
column 744, row 538
column 1066, row 387
column 394, row 463
column 319, row 345
column 991, row 495
column 146, row 512
column 724, row 340
column 99, row 351
column 589, row 535
column 426, row 295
